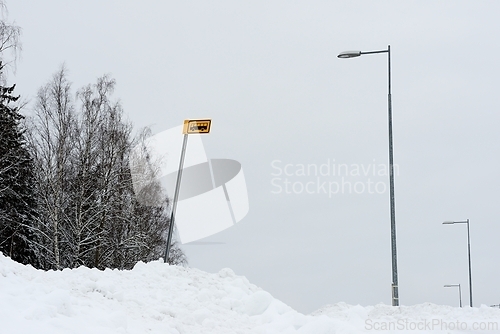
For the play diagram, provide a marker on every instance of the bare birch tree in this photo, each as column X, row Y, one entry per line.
column 90, row 213
column 52, row 142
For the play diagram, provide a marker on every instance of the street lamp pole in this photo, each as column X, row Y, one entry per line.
column 468, row 254
column 352, row 54
column 470, row 271
column 459, row 291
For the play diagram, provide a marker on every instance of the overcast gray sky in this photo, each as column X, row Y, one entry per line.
column 266, row 72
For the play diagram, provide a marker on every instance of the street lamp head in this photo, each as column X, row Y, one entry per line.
column 349, row 54
column 457, row 222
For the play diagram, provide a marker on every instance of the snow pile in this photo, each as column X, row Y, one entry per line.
column 423, row 318
column 157, row 298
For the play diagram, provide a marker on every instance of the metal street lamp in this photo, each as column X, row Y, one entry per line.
column 459, row 291
column 353, row 54
column 468, row 251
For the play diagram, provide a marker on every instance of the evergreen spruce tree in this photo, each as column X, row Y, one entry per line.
column 17, row 201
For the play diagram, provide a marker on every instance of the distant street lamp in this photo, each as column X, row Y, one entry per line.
column 352, row 54
column 468, row 251
column 459, row 291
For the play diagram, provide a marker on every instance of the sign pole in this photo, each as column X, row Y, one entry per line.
column 191, row 126
column 176, row 197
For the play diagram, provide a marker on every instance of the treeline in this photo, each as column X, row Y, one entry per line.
column 66, row 194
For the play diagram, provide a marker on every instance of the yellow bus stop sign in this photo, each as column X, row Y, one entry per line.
column 196, row 126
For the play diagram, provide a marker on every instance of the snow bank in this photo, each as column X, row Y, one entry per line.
column 158, row 298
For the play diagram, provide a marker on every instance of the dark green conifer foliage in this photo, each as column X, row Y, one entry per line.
column 17, row 201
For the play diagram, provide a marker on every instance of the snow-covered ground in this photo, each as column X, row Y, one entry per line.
column 157, row 298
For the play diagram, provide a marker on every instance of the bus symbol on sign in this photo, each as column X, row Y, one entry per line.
column 196, row 126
